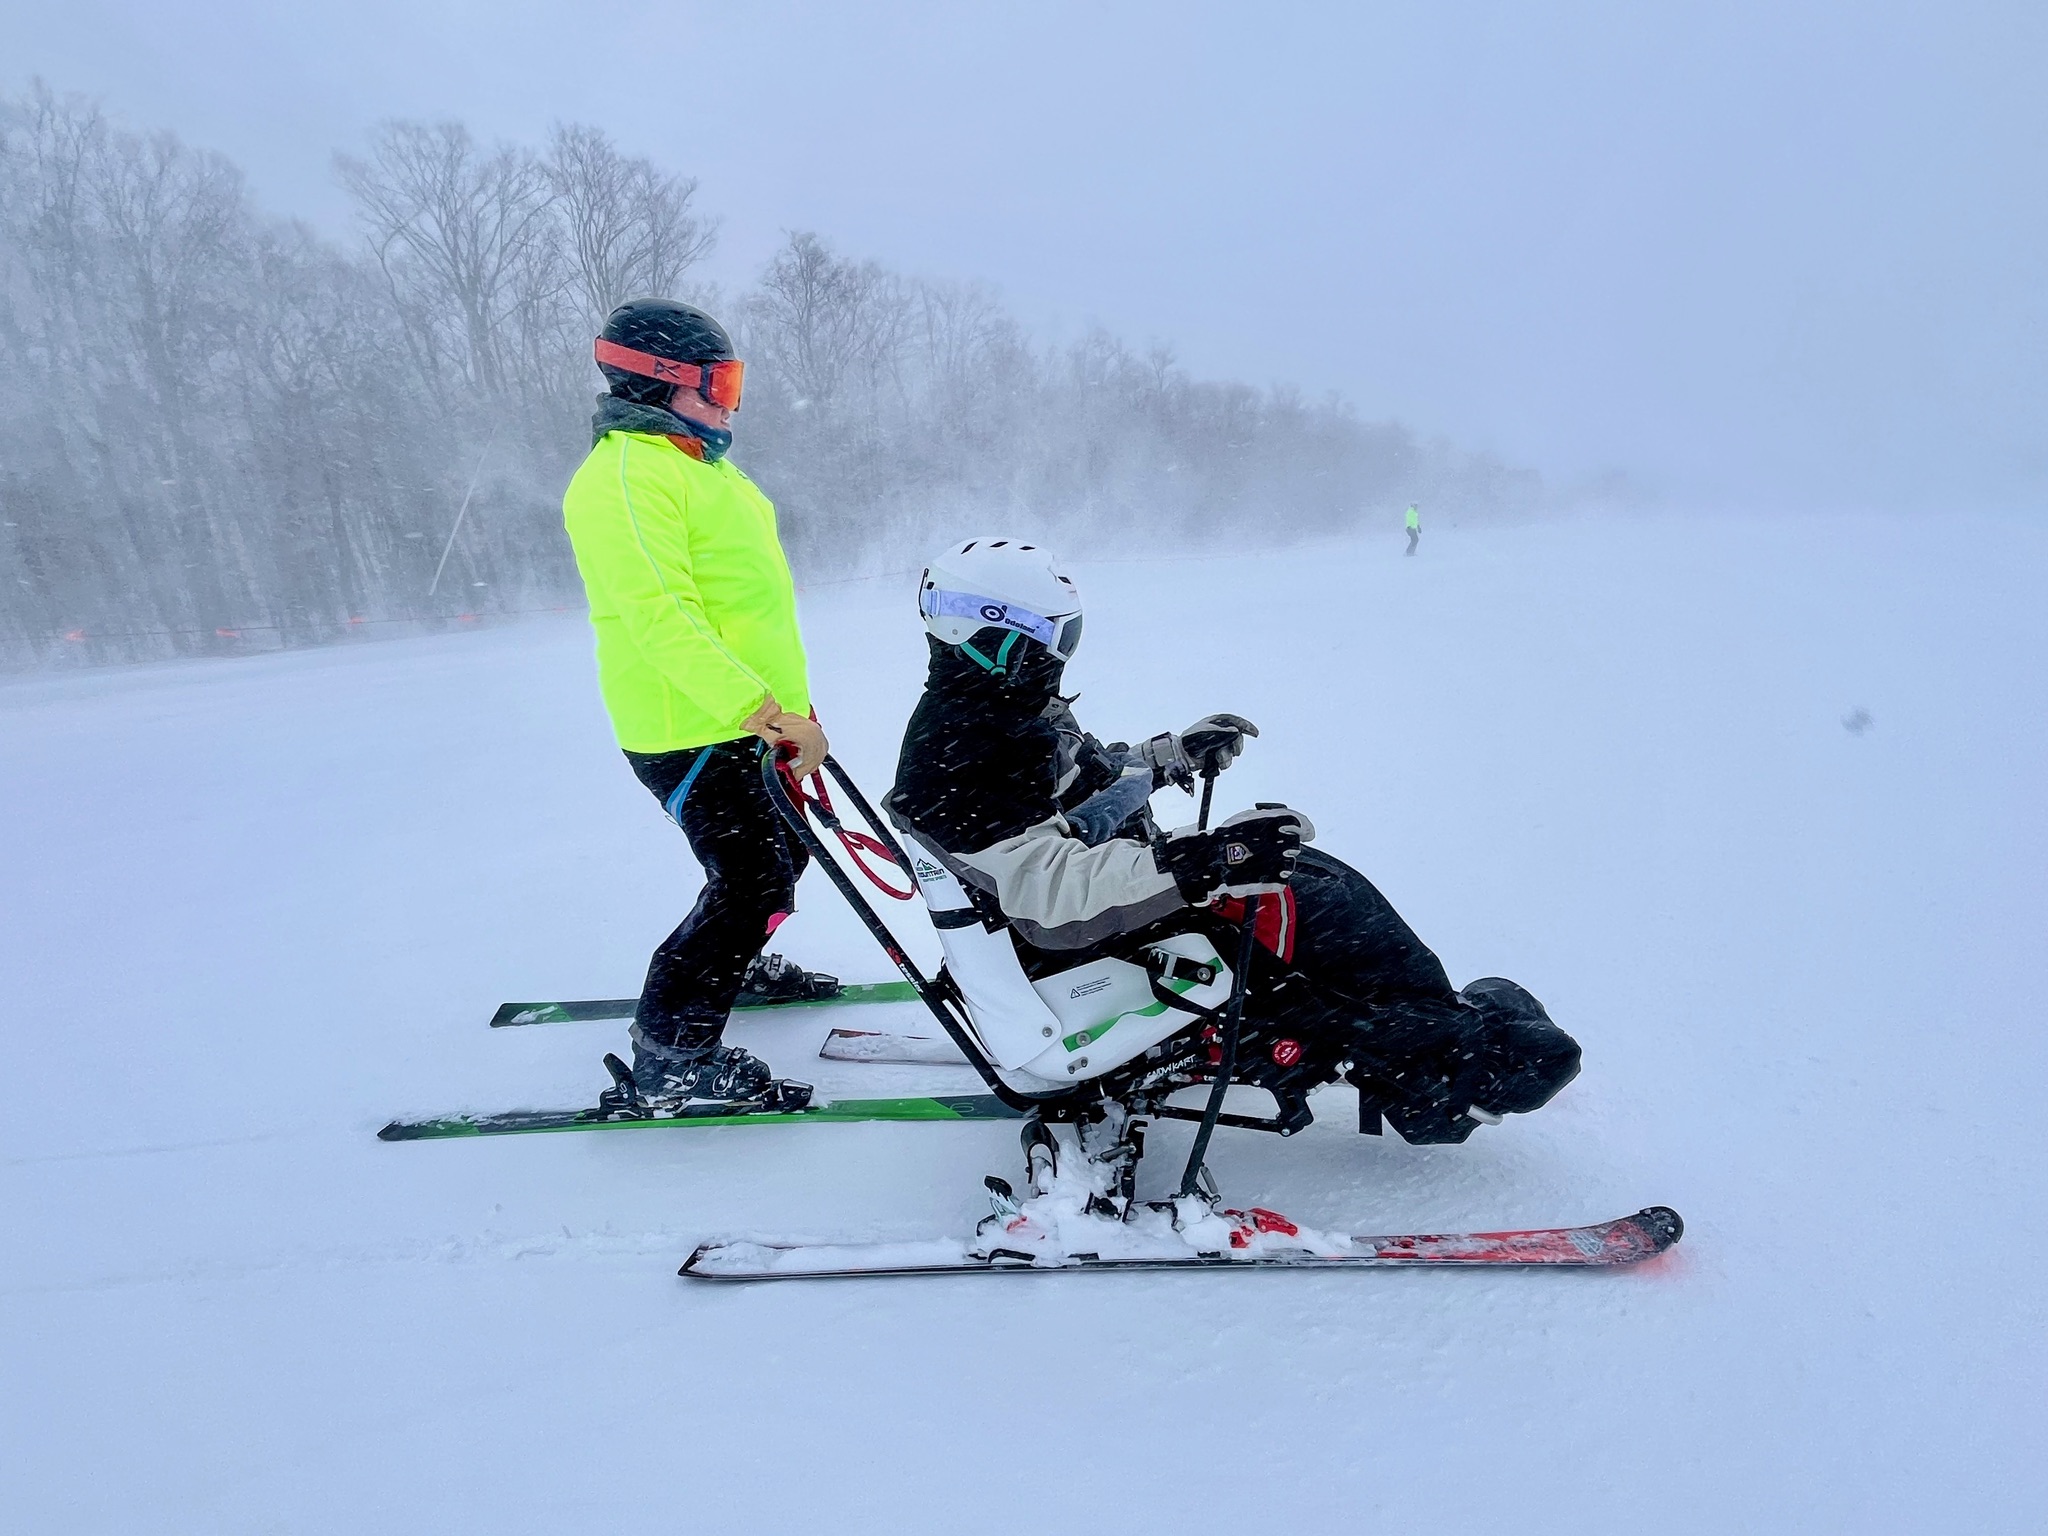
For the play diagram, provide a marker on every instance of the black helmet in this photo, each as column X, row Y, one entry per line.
column 664, row 328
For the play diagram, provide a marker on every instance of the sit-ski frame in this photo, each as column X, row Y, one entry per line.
column 942, row 998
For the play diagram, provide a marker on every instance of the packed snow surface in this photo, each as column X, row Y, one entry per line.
column 1755, row 807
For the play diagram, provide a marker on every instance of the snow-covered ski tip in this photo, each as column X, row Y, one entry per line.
column 1216, row 1239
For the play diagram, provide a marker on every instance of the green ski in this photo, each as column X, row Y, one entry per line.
column 588, row 1011
column 956, row 1106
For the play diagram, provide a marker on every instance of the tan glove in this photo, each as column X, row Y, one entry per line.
column 776, row 725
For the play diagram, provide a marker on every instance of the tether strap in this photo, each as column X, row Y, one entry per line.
column 1161, row 968
column 856, row 844
column 1164, row 994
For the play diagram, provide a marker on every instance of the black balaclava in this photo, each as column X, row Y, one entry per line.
column 997, row 667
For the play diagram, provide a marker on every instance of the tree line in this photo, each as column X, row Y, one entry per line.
column 221, row 431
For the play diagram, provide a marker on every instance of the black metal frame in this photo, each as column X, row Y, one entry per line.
column 934, row 996
column 939, row 996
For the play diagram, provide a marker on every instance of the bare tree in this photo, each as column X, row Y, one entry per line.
column 630, row 228
column 175, row 223
column 821, row 320
column 53, row 294
column 970, row 355
column 464, row 237
column 215, row 428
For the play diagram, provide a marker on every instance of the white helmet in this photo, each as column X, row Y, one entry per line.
column 1002, row 582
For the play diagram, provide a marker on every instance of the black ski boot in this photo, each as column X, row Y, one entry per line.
column 667, row 1079
column 771, row 979
column 1499, row 1054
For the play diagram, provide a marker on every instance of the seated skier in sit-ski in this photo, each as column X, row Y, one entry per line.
column 1037, row 853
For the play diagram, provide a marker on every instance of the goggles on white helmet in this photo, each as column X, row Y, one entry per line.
column 1058, row 633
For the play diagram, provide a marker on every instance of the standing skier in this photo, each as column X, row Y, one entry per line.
column 1414, row 527
column 702, row 669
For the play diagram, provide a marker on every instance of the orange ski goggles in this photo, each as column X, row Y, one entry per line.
column 720, row 383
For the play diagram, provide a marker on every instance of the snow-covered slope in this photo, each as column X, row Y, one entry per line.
column 249, row 911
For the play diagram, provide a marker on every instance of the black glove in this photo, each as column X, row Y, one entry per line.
column 1251, row 854
column 1204, row 749
column 1214, row 742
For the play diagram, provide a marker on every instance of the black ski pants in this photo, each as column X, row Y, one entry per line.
column 751, row 862
column 1431, row 1049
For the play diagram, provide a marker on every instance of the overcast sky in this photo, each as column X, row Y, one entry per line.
column 1744, row 252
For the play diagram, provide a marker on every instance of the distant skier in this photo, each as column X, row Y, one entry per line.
column 701, row 666
column 1049, row 833
column 1414, row 527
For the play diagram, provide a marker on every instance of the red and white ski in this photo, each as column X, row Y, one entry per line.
column 1607, row 1244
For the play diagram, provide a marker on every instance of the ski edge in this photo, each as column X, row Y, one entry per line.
column 911, row 1109
column 596, row 1010
column 1658, row 1228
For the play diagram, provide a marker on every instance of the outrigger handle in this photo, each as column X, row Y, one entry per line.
column 1233, row 1027
column 1233, row 1012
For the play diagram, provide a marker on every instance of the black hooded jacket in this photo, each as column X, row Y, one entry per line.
column 990, row 768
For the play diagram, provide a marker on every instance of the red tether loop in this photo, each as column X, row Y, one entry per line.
column 855, row 843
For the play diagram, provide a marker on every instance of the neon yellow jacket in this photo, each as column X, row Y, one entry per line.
column 689, row 592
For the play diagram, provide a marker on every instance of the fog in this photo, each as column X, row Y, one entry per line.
column 1709, row 702
column 221, row 432
column 1767, row 253
column 1087, row 273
